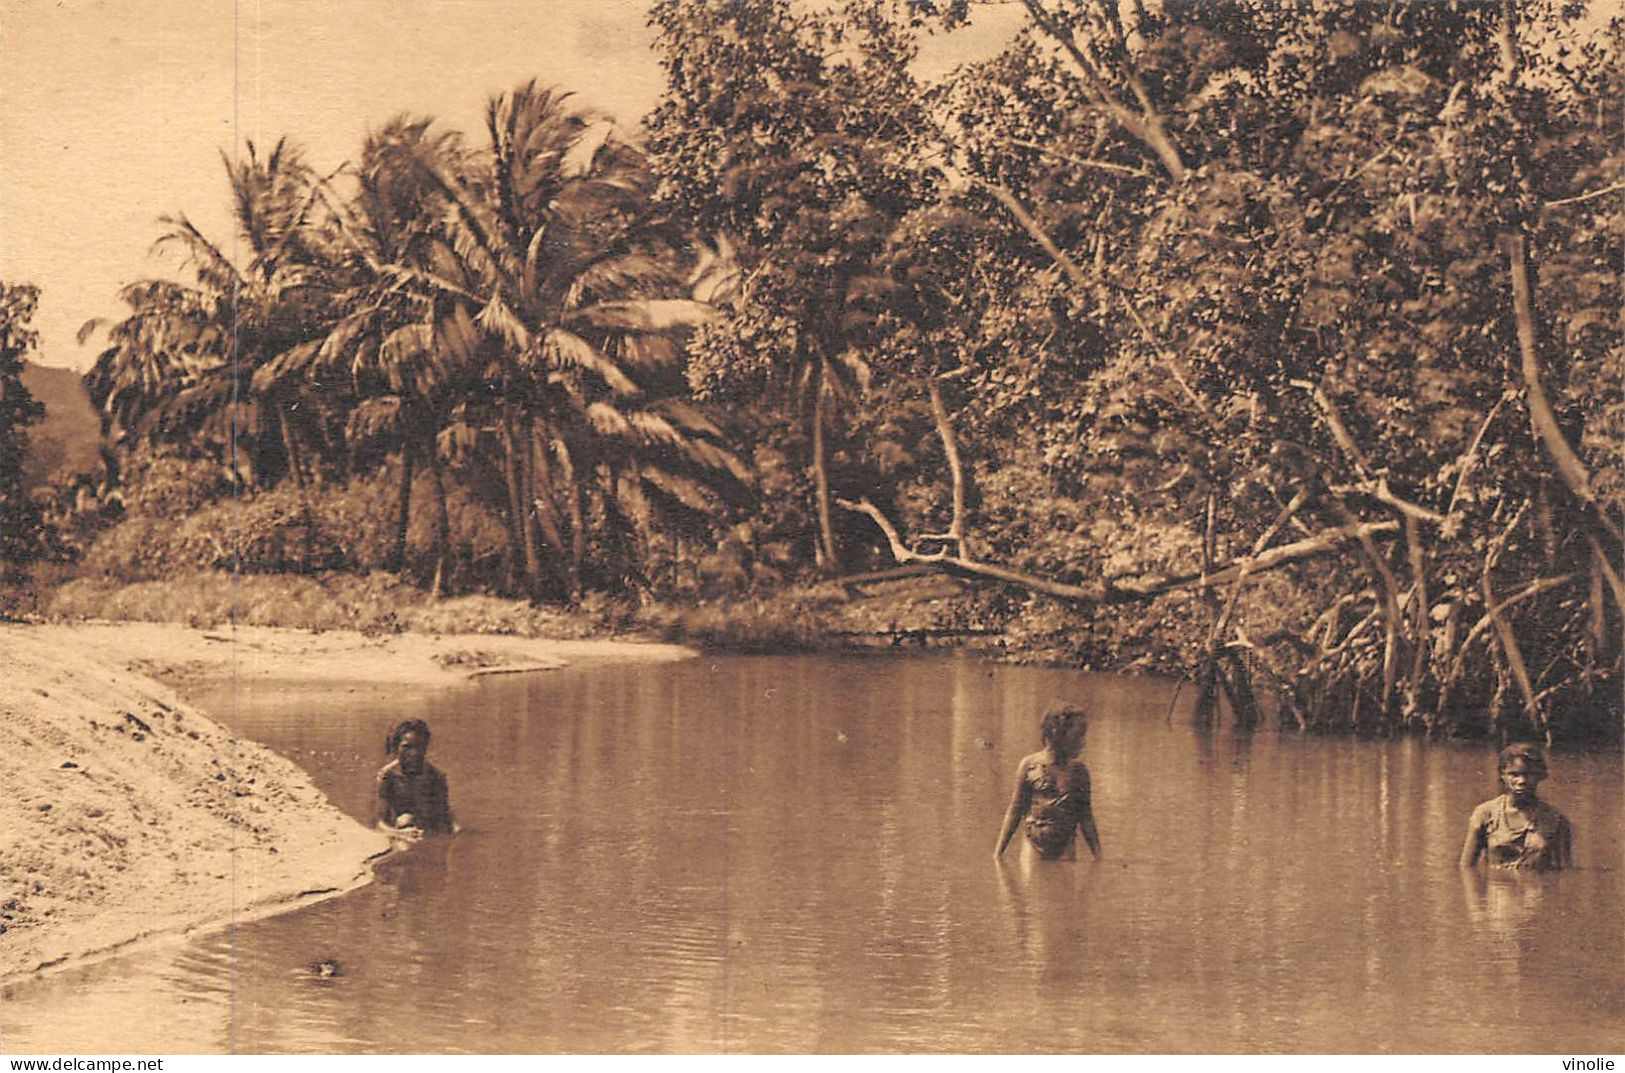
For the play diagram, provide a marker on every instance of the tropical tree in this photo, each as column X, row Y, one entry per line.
column 1300, row 238
column 796, row 131
column 565, row 290
column 217, row 360
column 388, row 338
column 21, row 536
column 1231, row 288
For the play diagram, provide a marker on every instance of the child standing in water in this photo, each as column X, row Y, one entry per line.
column 1052, row 791
column 412, row 794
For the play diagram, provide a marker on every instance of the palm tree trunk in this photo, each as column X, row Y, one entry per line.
column 546, row 511
column 290, row 447
column 403, row 517
column 578, row 527
column 517, row 559
column 290, row 451
column 522, row 442
column 829, row 561
column 442, row 524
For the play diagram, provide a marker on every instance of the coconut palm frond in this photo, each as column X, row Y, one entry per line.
column 234, row 421
column 408, row 344
column 685, row 490
column 607, row 421
column 651, row 355
column 192, row 407
column 342, row 342
column 632, row 502
column 718, row 459
column 569, row 350
column 499, row 319
column 651, row 428
column 212, row 267
column 457, row 333
column 365, row 358
column 458, row 440
column 627, row 273
column 91, row 327
column 374, row 418
column 295, row 362
column 685, row 416
column 645, row 315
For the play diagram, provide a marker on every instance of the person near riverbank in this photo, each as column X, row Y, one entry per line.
column 1518, row 830
column 412, row 793
column 1052, row 791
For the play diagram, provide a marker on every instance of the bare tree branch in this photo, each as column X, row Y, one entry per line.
column 1146, row 125
column 1111, row 592
column 1568, row 464
column 1589, row 195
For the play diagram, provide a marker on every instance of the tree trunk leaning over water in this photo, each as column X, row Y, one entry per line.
column 1111, row 592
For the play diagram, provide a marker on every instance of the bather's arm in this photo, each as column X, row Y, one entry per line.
column 1086, row 817
column 1020, row 800
column 1473, row 848
column 384, row 811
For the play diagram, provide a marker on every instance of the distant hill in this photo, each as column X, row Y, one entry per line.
column 67, row 440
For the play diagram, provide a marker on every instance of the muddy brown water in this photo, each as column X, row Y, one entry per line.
column 794, row 854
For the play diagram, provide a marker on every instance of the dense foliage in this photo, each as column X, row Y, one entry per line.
column 1211, row 288
column 512, row 312
column 1266, row 340
column 22, row 535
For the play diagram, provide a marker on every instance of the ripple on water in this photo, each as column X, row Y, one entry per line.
column 660, row 859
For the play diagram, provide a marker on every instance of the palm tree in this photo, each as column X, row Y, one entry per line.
column 390, row 339
column 212, row 359
column 574, row 287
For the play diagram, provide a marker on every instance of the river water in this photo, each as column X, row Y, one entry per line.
column 794, row 854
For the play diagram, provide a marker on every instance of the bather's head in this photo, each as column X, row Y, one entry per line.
column 1062, row 730
column 408, row 742
column 1522, row 766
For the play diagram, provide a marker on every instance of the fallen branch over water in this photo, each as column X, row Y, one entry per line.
column 1109, row 592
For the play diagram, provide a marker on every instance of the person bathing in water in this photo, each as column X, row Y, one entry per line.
column 1052, row 791
column 412, row 794
column 1518, row 830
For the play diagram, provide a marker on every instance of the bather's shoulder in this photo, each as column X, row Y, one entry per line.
column 1549, row 814
column 1032, row 762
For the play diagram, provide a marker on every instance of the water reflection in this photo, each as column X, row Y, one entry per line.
column 1502, row 904
column 792, row 855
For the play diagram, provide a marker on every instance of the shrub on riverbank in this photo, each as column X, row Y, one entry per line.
column 371, row 603
column 180, row 517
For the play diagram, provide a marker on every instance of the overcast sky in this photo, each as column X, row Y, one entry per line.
column 113, row 112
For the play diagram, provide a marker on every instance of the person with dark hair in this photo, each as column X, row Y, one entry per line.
column 1052, row 791
column 412, row 795
column 1518, row 830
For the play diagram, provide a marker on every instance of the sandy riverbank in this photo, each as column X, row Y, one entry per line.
column 129, row 814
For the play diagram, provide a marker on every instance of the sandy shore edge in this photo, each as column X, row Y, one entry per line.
column 134, row 818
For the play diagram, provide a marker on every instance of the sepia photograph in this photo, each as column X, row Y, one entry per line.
column 812, row 527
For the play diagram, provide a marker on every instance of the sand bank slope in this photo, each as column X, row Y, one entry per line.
column 126, row 813
column 180, row 654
